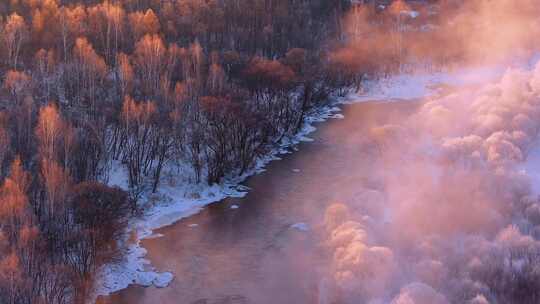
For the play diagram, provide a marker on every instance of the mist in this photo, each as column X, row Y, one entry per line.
column 408, row 35
column 454, row 217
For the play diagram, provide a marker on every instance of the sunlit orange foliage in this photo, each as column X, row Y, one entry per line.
column 125, row 73
column 398, row 7
column 15, row 33
column 142, row 24
column 57, row 182
column 139, row 113
column 48, row 131
column 91, row 63
column 16, row 83
column 9, row 267
column 13, row 198
column 149, row 58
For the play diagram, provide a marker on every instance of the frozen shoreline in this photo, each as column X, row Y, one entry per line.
column 177, row 200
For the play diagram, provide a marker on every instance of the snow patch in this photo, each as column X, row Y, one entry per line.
column 163, row 280
column 300, row 226
column 410, row 86
column 411, row 14
column 155, row 236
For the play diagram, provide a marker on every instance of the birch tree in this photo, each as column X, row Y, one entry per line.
column 15, row 35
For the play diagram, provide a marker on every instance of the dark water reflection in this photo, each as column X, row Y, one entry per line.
column 251, row 254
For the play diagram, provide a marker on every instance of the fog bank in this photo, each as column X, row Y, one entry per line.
column 453, row 218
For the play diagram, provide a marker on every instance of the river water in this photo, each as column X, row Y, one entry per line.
column 256, row 253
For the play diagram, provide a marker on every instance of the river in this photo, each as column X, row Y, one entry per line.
column 256, row 253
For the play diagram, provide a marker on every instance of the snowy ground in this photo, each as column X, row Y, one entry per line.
column 179, row 198
column 420, row 84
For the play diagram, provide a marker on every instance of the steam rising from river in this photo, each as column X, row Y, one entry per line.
column 454, row 220
column 446, row 33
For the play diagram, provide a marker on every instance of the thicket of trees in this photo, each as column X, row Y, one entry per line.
column 147, row 84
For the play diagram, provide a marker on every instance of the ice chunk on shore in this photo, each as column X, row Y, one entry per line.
column 163, row 279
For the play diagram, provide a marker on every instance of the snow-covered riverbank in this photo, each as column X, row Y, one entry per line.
column 177, row 198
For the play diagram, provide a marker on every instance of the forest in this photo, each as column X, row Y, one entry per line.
column 87, row 85
column 204, row 88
